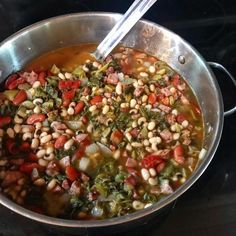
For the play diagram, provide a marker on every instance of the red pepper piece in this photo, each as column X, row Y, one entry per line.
column 71, row 173
column 20, row 97
column 4, row 120
column 14, row 84
column 59, row 143
column 151, row 161
column 28, row 167
column 152, row 98
column 179, row 154
column 79, row 107
column 95, row 100
column 116, row 137
column 10, row 79
column 68, row 95
column 180, row 118
column 35, row 118
column 42, row 78
column 176, row 80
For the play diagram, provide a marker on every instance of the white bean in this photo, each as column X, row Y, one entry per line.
column 10, row 132
column 70, row 132
column 152, row 88
column 17, row 128
column 140, row 82
column 141, row 120
column 128, row 136
column 90, row 128
column 105, row 109
column 202, row 153
column 49, row 157
column 144, row 98
column 37, row 109
column 185, row 123
column 42, row 162
column 49, row 150
column 93, row 108
column 174, row 112
column 152, row 181
column 34, row 143
column 150, row 134
column 134, row 124
column 41, row 153
column 146, row 142
column 68, row 75
column 38, row 101
column 176, row 136
column 152, row 172
column 36, row 84
column 145, row 174
column 116, row 154
column 152, row 69
column 133, row 102
column 46, row 138
column 137, row 205
column 119, row 88
column 151, row 125
column 70, row 111
column 51, row 184
column 68, row 144
column 18, row 120
column 128, row 147
column 61, row 76
column 40, row 182
column 55, row 135
column 27, row 136
column 143, row 74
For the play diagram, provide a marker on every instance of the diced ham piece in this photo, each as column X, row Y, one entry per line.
column 186, row 142
column 164, row 108
column 166, row 135
column 81, row 137
column 170, row 118
column 86, row 91
column 166, row 92
column 65, row 184
column 165, row 187
column 112, row 78
column 64, row 162
column 58, row 126
column 30, row 77
column 110, row 70
column 184, row 100
column 75, row 188
column 138, row 91
column 11, row 177
column 52, row 169
column 131, row 163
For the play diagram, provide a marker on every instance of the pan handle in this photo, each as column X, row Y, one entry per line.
column 222, row 68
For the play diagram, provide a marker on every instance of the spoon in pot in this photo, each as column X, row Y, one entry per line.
column 122, row 27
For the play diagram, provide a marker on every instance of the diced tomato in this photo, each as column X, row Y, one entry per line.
column 64, row 84
column 68, row 95
column 25, row 147
column 11, row 146
column 131, row 163
column 20, row 97
column 35, row 118
column 85, row 120
column 179, row 154
column 95, row 100
column 28, row 167
column 79, row 107
column 32, row 157
column 166, row 101
column 41, row 78
column 85, row 142
column 4, row 120
column 176, row 80
column 116, row 137
column 160, row 167
column 75, row 84
column 151, row 161
column 130, row 180
column 134, row 132
column 180, row 118
column 10, row 79
column 59, row 143
column 160, row 97
column 14, row 84
column 80, row 152
column 152, row 98
column 71, row 173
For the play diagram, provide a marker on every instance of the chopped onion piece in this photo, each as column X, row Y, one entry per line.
column 202, row 153
column 104, row 149
column 84, row 163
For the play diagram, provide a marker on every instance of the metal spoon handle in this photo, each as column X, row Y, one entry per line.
column 122, row 27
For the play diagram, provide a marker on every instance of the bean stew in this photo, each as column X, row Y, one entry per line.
column 81, row 139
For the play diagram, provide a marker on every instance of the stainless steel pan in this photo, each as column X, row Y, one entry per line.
column 154, row 39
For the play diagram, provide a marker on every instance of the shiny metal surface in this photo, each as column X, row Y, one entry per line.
column 222, row 68
column 122, row 27
column 67, row 30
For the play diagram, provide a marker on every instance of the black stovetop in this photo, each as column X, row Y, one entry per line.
column 209, row 207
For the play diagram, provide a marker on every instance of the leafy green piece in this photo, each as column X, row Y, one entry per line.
column 48, row 105
column 39, row 92
column 10, row 94
column 55, row 70
column 8, row 110
column 167, row 171
column 79, row 72
column 122, row 120
column 60, row 153
column 76, row 203
column 53, row 80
